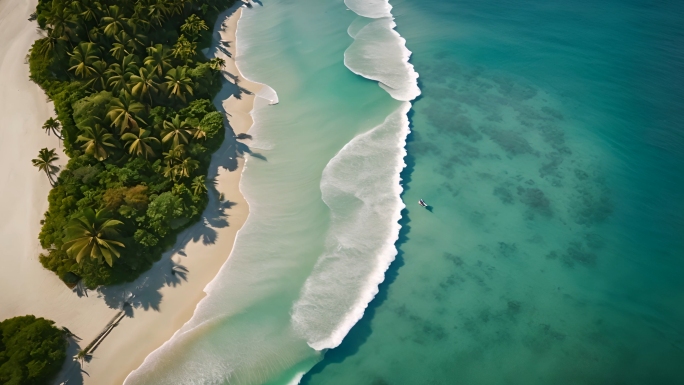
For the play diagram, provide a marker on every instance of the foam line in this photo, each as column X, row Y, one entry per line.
column 361, row 186
column 379, row 53
column 372, row 9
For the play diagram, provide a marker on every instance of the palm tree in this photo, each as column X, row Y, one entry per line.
column 81, row 355
column 130, row 63
column 95, row 35
column 52, row 125
column 158, row 59
column 217, row 63
column 118, row 51
column 176, row 131
column 177, row 6
column 45, row 161
column 145, row 83
column 194, row 26
column 50, row 43
column 199, row 185
column 174, row 155
column 182, row 169
column 124, row 45
column 186, row 167
column 94, row 235
column 120, row 74
column 178, row 83
column 80, row 12
column 84, row 55
column 99, row 76
column 97, row 142
column 140, row 144
column 123, row 113
column 198, row 133
column 173, row 158
column 118, row 78
column 114, row 22
column 61, row 21
column 89, row 10
column 171, row 172
column 138, row 41
column 139, row 19
column 158, row 12
column 184, row 49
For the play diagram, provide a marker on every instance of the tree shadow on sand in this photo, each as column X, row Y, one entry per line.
column 144, row 293
column 72, row 372
column 219, row 48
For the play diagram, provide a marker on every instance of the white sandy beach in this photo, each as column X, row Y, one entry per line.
column 25, row 287
column 162, row 302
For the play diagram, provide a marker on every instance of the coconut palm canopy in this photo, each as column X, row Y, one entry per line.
column 45, row 161
column 93, row 234
column 130, row 85
column 52, row 125
column 98, row 142
column 140, row 144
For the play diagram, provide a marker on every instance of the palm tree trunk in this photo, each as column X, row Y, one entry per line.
column 57, row 134
column 52, row 182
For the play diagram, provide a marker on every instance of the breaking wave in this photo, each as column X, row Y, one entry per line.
column 362, row 186
column 372, row 9
column 379, row 53
column 234, row 335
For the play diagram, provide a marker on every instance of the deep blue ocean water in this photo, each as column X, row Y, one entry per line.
column 549, row 142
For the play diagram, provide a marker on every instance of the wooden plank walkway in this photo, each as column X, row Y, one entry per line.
column 105, row 332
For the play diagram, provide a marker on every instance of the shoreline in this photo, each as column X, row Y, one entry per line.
column 165, row 297
column 130, row 343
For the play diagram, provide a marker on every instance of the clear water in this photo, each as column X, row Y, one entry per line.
column 323, row 187
column 548, row 140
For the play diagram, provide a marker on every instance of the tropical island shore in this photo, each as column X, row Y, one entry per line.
column 161, row 299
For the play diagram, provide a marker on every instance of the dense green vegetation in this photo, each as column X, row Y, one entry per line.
column 132, row 93
column 32, row 350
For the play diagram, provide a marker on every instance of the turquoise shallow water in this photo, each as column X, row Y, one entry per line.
column 322, row 182
column 549, row 140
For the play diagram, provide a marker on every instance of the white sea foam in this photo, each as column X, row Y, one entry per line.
column 379, row 53
column 373, row 9
column 357, row 25
column 266, row 93
column 361, row 186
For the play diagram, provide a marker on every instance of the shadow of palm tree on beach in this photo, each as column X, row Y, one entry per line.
column 72, row 372
column 144, row 293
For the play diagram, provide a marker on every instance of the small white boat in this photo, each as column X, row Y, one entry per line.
column 422, row 203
